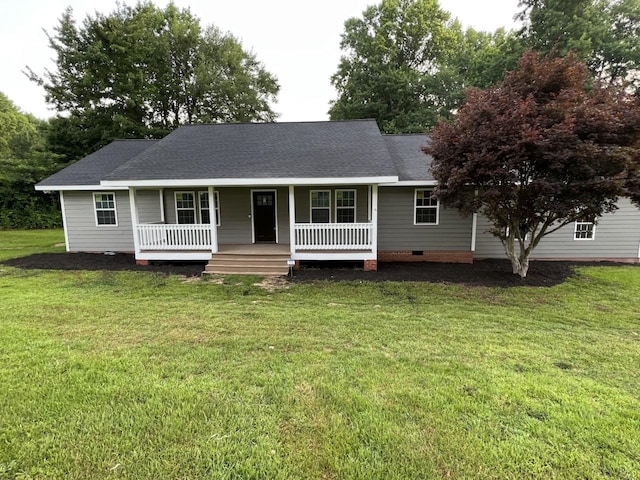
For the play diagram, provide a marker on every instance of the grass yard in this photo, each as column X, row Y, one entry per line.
column 108, row 375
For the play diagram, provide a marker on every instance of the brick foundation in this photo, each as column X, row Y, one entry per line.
column 441, row 256
column 142, row 262
column 370, row 265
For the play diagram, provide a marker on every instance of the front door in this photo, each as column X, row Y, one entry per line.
column 264, row 216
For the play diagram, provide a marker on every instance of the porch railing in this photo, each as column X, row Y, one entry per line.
column 160, row 236
column 333, row 236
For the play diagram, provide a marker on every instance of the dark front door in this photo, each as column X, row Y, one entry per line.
column 264, row 216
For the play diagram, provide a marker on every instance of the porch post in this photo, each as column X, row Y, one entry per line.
column 134, row 219
column 64, row 220
column 213, row 220
column 292, row 219
column 374, row 219
column 162, row 219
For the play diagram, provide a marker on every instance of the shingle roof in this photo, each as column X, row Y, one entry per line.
column 410, row 161
column 93, row 168
column 263, row 150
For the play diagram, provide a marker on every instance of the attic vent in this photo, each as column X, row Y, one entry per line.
column 417, row 253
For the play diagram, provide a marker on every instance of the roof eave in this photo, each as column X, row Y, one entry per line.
column 237, row 182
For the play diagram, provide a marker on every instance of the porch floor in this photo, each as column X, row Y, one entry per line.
column 255, row 249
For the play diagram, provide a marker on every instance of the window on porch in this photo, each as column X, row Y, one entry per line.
column 185, row 207
column 205, row 209
column 320, row 206
column 345, row 206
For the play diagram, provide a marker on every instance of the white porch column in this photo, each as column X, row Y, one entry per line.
column 134, row 219
column 474, row 231
column 292, row 219
column 64, row 219
column 213, row 220
column 162, row 219
column 374, row 219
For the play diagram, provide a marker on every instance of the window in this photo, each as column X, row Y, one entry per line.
column 345, row 206
column 320, row 206
column 185, row 207
column 584, row 231
column 426, row 208
column 105, row 207
column 205, row 215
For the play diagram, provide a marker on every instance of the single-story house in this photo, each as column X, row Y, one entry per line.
column 300, row 191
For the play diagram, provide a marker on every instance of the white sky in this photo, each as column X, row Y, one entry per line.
column 296, row 40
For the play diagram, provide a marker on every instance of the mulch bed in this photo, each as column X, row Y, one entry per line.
column 488, row 273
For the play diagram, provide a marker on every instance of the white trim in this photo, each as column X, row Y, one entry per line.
column 311, row 207
column 292, row 219
column 275, row 212
column 64, row 221
column 173, row 255
column 410, row 183
column 355, row 203
column 334, row 256
column 575, row 231
column 474, row 231
column 374, row 222
column 134, row 220
column 162, row 218
column 369, row 204
column 95, row 209
column 195, row 205
column 55, row 188
column 415, row 207
column 214, row 225
column 237, row 182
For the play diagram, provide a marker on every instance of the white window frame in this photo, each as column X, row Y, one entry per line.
column 114, row 209
column 312, row 208
column 216, row 205
column 416, row 207
column 175, row 202
column 576, row 232
column 355, row 203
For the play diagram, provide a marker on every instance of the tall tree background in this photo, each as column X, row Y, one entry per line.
column 141, row 71
column 24, row 160
column 407, row 64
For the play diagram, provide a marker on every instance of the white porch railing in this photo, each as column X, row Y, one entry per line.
column 333, row 236
column 160, row 236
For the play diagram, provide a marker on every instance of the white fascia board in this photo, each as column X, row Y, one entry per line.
column 411, row 183
column 57, row 188
column 243, row 182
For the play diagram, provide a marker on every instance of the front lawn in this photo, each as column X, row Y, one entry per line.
column 141, row 375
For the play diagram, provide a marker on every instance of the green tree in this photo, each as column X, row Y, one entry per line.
column 24, row 161
column 541, row 149
column 142, row 71
column 605, row 34
column 406, row 64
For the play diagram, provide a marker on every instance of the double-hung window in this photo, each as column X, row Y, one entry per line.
column 205, row 209
column 185, row 207
column 320, row 206
column 584, row 231
column 425, row 208
column 345, row 206
column 105, row 208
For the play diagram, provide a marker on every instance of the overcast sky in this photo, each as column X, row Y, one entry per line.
column 296, row 40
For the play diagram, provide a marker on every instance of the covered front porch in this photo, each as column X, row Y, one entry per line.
column 252, row 219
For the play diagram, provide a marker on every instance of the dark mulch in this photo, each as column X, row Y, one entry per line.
column 490, row 273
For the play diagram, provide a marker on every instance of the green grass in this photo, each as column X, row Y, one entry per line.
column 19, row 243
column 138, row 375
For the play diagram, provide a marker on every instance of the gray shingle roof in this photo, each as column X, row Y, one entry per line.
column 93, row 168
column 263, row 150
column 411, row 163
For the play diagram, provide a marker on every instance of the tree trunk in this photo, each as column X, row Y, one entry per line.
column 519, row 260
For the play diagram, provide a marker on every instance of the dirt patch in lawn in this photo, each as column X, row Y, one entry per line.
column 489, row 273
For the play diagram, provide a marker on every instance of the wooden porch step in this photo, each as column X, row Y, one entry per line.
column 248, row 264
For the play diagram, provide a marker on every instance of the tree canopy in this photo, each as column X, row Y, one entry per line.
column 24, row 160
column 605, row 34
column 543, row 148
column 406, row 64
column 142, row 71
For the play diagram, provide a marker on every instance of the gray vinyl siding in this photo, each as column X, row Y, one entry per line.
column 303, row 202
column 396, row 229
column 148, row 206
column 235, row 212
column 617, row 235
column 83, row 233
